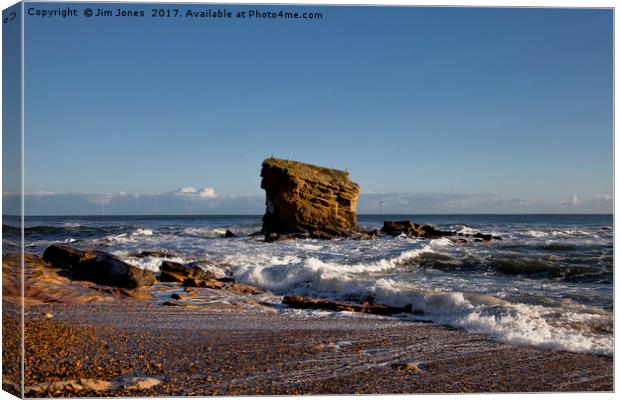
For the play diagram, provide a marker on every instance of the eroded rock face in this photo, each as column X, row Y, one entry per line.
column 307, row 201
column 44, row 283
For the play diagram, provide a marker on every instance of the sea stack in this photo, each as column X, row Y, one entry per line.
column 305, row 200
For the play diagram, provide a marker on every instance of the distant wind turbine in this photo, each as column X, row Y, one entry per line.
column 380, row 205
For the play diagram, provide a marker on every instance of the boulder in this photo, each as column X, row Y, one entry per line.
column 171, row 271
column 98, row 267
column 229, row 234
column 412, row 229
column 65, row 257
column 107, row 269
column 307, row 200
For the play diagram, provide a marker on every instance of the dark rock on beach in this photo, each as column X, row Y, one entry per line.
column 107, row 269
column 171, row 271
column 229, row 234
column 226, row 283
column 305, row 200
column 98, row 267
column 65, row 257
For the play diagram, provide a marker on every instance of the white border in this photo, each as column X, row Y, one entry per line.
column 445, row 3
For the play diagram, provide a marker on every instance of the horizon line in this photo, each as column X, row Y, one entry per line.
column 260, row 215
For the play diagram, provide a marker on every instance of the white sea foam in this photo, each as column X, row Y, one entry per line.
column 504, row 321
column 148, row 263
column 205, row 232
column 525, row 324
column 142, row 232
column 537, row 234
column 466, row 230
column 558, row 233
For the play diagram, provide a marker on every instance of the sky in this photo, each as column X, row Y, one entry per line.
column 434, row 109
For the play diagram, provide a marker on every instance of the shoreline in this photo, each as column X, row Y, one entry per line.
column 222, row 349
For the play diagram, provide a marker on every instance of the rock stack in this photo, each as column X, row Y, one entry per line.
column 305, row 200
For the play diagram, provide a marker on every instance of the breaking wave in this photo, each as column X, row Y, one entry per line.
column 515, row 323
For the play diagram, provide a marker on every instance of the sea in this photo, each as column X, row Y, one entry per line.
column 548, row 282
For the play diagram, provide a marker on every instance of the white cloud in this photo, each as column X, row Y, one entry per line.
column 189, row 192
column 185, row 191
column 207, row 193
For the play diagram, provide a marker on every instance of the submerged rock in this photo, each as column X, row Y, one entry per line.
column 307, row 201
column 98, row 267
column 154, row 253
column 412, row 229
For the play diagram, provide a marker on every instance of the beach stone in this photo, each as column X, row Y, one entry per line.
column 171, row 271
column 408, row 367
column 203, row 283
column 307, row 200
column 139, row 383
column 65, row 257
column 229, row 234
column 98, row 267
column 107, row 269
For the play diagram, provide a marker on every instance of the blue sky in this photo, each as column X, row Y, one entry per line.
column 499, row 103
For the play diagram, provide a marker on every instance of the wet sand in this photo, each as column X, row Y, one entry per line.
column 229, row 351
